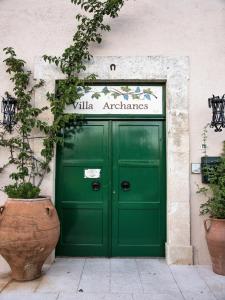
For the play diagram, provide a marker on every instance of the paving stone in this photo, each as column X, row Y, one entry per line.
column 62, row 265
column 161, row 296
column 215, row 282
column 191, row 284
column 95, row 276
column 156, row 277
column 29, row 296
column 64, row 275
column 125, row 277
column 95, row 296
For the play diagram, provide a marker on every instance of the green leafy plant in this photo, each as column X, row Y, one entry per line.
column 23, row 190
column 31, row 167
column 215, row 192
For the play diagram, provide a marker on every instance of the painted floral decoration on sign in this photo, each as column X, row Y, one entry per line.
column 127, row 92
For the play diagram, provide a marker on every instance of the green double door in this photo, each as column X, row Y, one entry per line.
column 110, row 189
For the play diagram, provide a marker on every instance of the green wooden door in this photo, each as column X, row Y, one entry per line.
column 138, row 189
column 122, row 213
column 83, row 209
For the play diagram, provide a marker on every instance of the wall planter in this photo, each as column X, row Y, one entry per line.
column 207, row 164
column 29, row 231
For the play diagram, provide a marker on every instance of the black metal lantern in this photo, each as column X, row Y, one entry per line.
column 9, row 111
column 218, row 117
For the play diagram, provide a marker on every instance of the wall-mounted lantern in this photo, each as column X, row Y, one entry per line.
column 9, row 110
column 218, row 117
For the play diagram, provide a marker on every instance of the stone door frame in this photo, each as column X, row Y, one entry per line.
column 174, row 71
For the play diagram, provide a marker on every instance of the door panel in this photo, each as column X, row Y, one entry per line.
column 131, row 174
column 83, row 210
column 138, row 211
column 132, row 221
column 86, row 230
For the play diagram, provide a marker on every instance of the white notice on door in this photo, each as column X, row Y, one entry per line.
column 92, row 173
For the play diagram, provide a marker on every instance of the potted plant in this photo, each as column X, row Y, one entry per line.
column 29, row 225
column 214, row 207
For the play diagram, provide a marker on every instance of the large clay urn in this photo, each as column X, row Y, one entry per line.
column 215, row 236
column 29, row 231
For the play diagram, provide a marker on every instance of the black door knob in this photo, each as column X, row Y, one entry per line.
column 125, row 185
column 96, row 186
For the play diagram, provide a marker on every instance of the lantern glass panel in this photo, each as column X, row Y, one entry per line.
column 9, row 111
column 218, row 118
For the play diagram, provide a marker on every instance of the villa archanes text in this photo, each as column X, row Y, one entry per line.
column 85, row 105
column 119, row 100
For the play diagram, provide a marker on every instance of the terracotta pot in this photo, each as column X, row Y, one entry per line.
column 215, row 237
column 29, row 231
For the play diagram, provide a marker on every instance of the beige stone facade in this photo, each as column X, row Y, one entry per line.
column 180, row 42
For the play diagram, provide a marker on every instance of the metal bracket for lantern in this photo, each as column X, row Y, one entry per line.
column 218, row 118
column 9, row 110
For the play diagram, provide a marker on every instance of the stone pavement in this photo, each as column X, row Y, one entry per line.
column 117, row 279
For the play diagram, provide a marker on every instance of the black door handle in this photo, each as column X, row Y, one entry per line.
column 96, row 186
column 125, row 185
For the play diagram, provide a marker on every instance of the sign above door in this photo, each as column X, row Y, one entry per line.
column 119, row 99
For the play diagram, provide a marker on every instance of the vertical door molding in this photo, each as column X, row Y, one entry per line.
column 175, row 72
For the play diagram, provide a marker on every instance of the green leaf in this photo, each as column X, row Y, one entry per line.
column 125, row 89
column 96, row 95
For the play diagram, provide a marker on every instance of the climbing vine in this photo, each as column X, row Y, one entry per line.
column 31, row 167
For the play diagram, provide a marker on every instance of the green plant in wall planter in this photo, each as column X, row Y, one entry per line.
column 214, row 207
column 38, row 218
